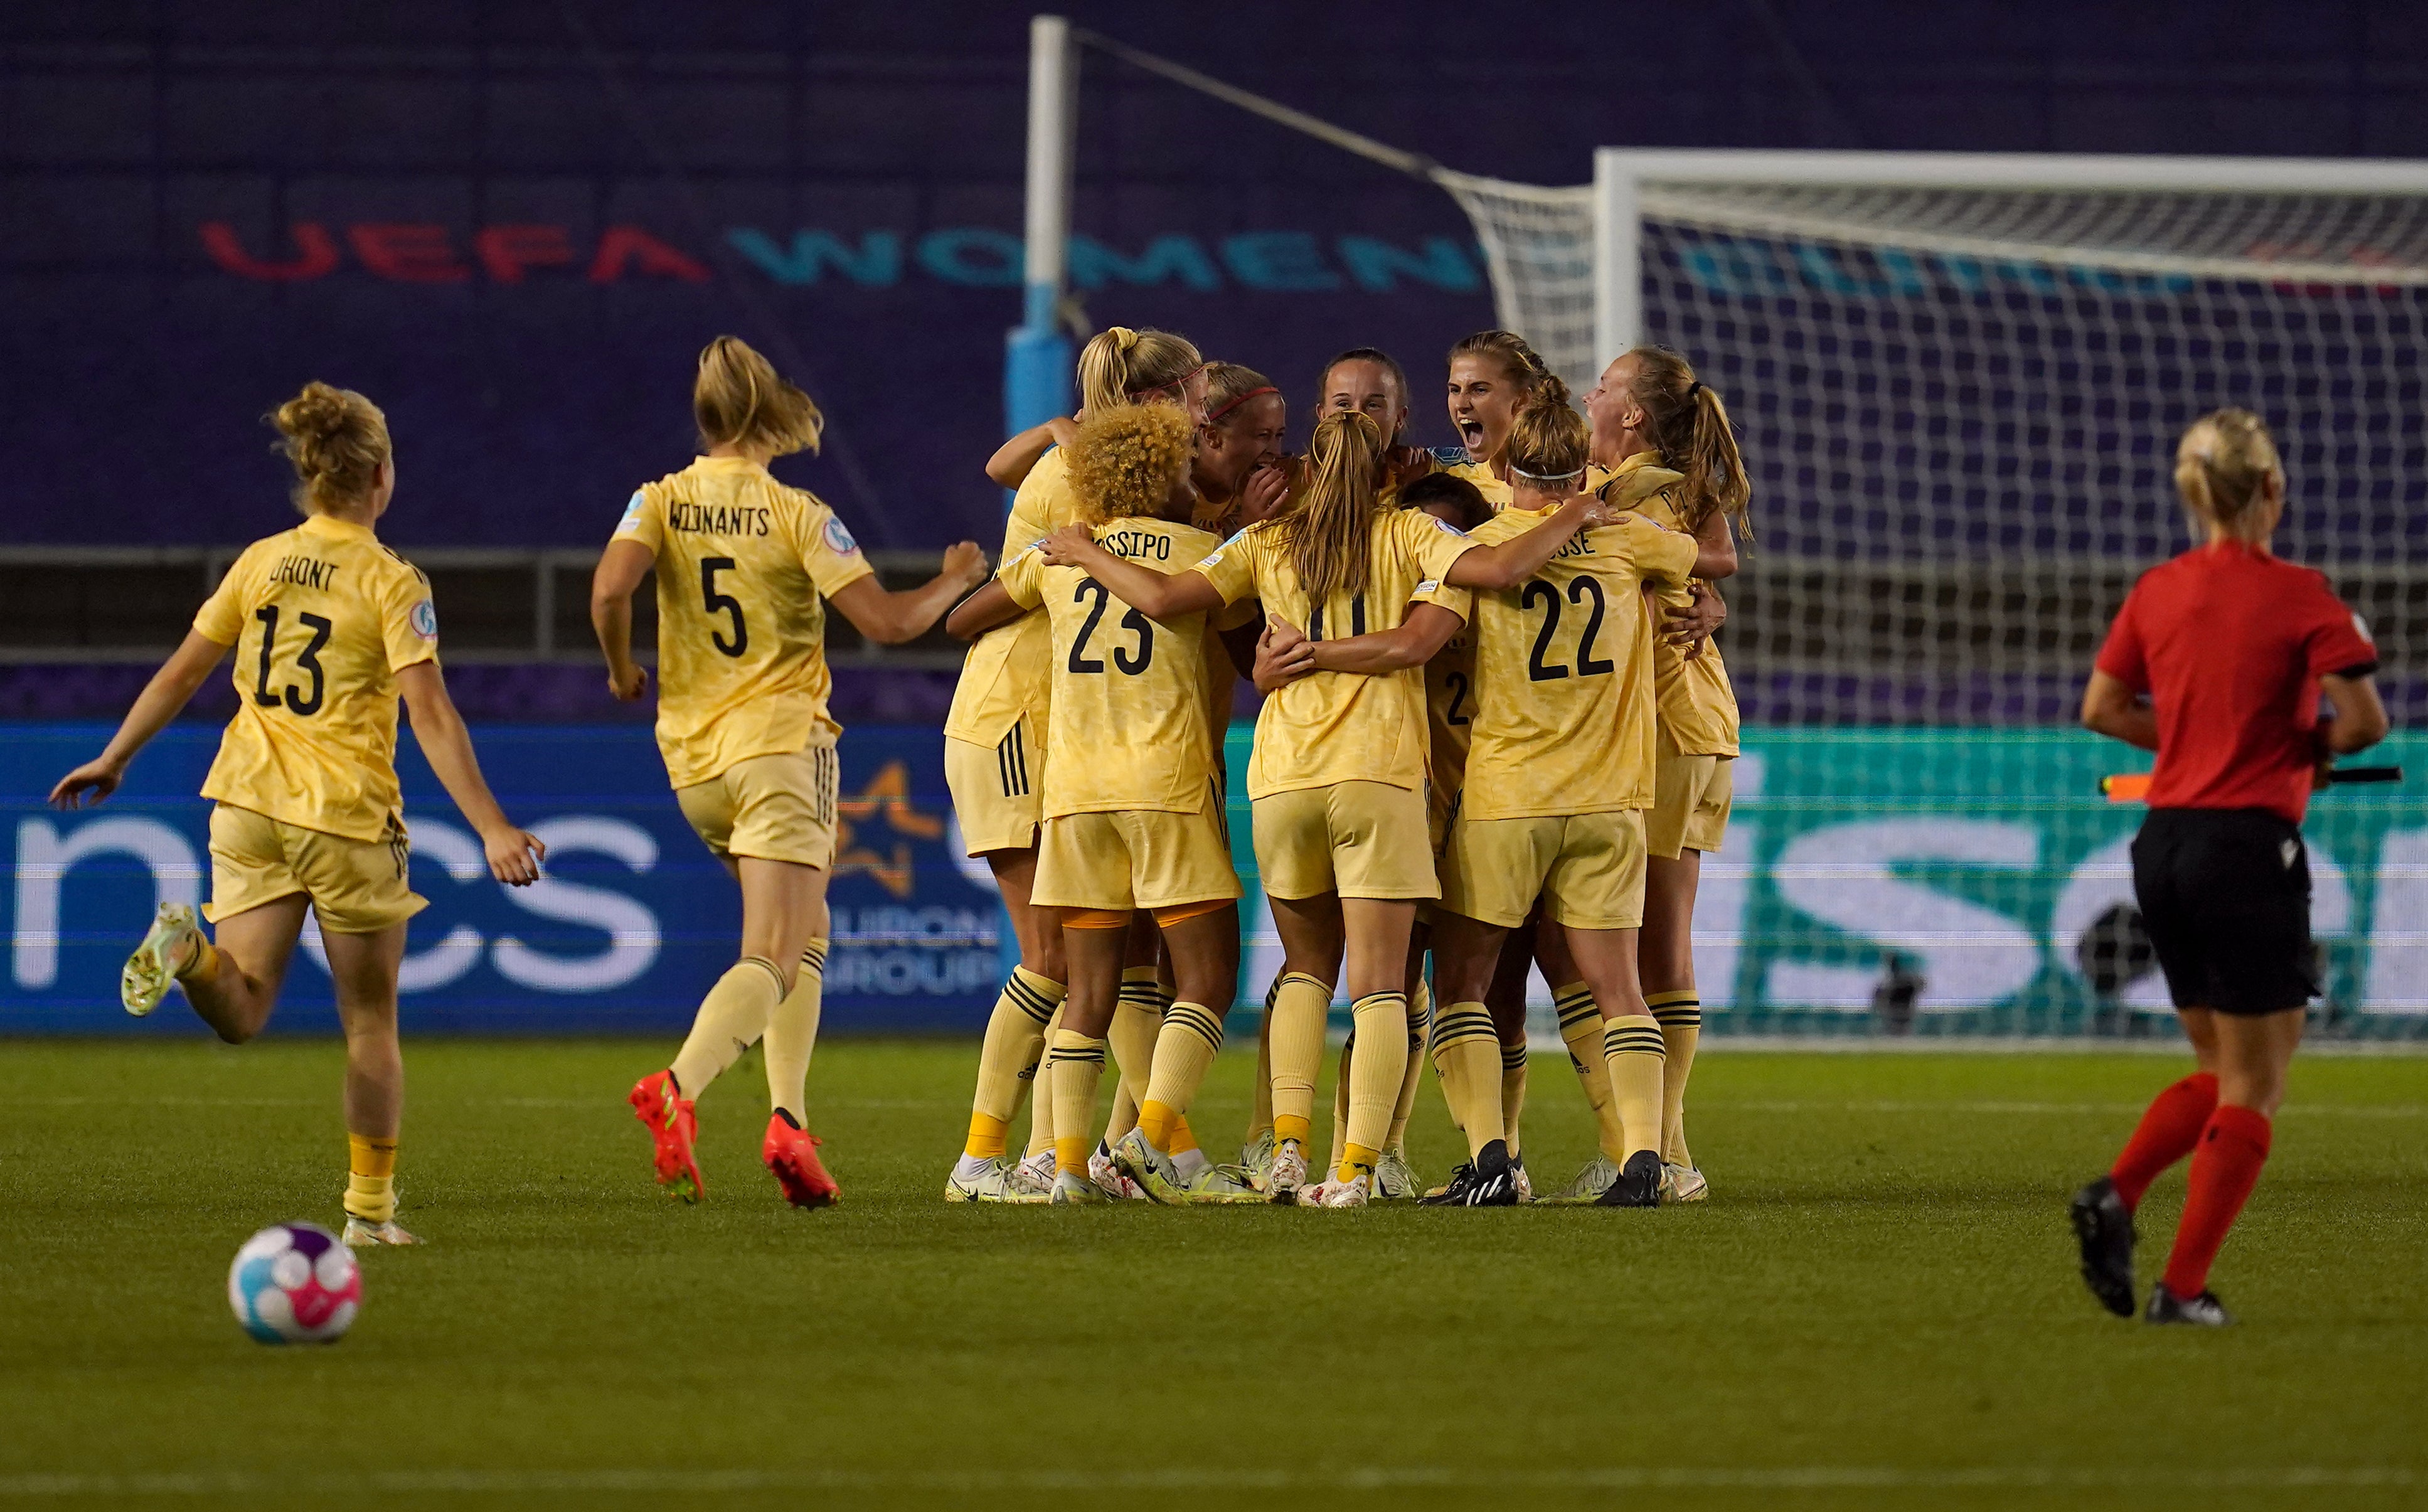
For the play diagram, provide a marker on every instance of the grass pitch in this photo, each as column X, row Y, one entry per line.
column 1877, row 1309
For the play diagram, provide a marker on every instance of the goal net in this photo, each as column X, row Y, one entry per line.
column 1959, row 404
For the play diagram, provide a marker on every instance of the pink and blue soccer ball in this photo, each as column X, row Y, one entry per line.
column 295, row 1284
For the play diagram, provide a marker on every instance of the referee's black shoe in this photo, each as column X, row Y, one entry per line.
column 2104, row 1226
column 1487, row 1181
column 2202, row 1311
column 1638, row 1184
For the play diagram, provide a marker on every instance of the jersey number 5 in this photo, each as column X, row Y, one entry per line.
column 1588, row 665
column 306, row 660
column 1130, row 660
column 715, row 602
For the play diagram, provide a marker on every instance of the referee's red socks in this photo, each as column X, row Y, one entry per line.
column 2167, row 1133
column 2224, row 1169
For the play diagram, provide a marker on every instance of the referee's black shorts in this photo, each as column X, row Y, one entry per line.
column 2225, row 894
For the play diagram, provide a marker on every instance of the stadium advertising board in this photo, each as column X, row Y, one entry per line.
column 1925, row 880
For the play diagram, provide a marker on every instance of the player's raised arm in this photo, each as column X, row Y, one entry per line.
column 2359, row 719
column 1011, row 464
column 890, row 618
column 169, row 690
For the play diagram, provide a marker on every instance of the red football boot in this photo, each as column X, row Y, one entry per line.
column 673, row 1125
column 792, row 1153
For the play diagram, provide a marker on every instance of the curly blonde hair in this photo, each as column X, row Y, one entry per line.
column 1128, row 458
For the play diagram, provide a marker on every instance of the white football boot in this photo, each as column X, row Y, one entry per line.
column 174, row 937
column 1288, row 1176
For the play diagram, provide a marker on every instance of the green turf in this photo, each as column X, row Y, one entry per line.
column 1877, row 1309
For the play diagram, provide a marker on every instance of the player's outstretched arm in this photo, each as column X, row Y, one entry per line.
column 1011, row 464
column 892, row 619
column 1155, row 595
column 2112, row 709
column 1428, row 628
column 982, row 611
column 621, row 569
column 1513, row 561
column 159, row 703
column 514, row 855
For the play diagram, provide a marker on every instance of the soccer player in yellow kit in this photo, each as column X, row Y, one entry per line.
column 1493, row 374
column 1665, row 438
column 744, row 565
column 1338, row 770
column 995, row 757
column 330, row 628
column 1133, row 809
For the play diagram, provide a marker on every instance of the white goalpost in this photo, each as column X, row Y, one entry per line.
column 1957, row 380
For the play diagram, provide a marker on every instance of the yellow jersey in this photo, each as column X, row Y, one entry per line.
column 321, row 617
column 1343, row 727
column 1128, row 692
column 1459, row 462
column 1564, row 720
column 1450, row 707
column 1004, row 676
column 742, row 563
column 1698, row 704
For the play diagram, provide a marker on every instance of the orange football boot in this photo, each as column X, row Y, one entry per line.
column 673, row 1125
column 792, row 1153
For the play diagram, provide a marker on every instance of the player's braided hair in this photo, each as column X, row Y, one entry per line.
column 336, row 440
column 738, row 399
column 1128, row 458
column 2223, row 468
column 1119, row 366
column 1328, row 534
column 1689, row 426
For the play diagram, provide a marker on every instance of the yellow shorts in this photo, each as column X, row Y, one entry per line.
column 1441, row 812
column 769, row 808
column 1134, row 859
column 1356, row 839
column 1690, row 803
column 356, row 886
column 1587, row 868
column 994, row 789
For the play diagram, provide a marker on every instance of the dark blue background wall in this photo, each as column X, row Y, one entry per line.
column 513, row 223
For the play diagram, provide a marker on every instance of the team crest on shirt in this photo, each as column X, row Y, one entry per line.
column 1450, row 456
column 424, row 617
column 839, row 540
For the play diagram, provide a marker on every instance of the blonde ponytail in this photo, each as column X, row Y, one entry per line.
column 737, row 400
column 2222, row 481
column 1119, row 366
column 337, row 441
column 1689, row 427
column 1328, row 534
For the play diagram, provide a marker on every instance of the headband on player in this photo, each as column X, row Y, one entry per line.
column 1157, row 388
column 1239, row 401
column 1545, row 477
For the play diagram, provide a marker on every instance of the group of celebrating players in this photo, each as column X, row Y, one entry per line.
column 1479, row 738
column 1494, row 735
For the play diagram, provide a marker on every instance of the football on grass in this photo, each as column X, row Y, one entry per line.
column 295, row 1284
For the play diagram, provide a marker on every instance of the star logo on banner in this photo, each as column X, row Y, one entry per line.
column 888, row 794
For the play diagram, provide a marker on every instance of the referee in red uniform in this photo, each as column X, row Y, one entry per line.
column 2217, row 662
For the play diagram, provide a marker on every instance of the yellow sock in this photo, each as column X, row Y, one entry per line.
column 1041, row 1101
column 1467, row 1051
column 1184, row 1139
column 1260, row 1104
column 1580, row 1031
column 792, row 1034
column 1193, row 1034
column 732, row 1017
column 1513, row 1092
column 1631, row 1045
column 1374, row 1076
column 1421, row 1009
column 370, row 1179
column 1077, row 1063
column 1299, row 1006
column 1340, row 1099
column 1353, row 1159
column 204, row 961
column 1681, row 1016
column 1137, row 1021
column 1015, row 1036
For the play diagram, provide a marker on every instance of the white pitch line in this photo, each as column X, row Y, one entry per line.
column 2000, row 1109
column 1214, row 1478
